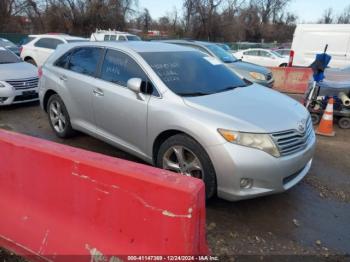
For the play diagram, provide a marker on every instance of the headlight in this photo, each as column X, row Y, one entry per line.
column 2, row 84
column 257, row 76
column 259, row 141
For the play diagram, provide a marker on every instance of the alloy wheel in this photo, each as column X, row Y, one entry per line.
column 57, row 117
column 182, row 160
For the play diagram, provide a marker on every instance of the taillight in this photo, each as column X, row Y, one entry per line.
column 20, row 50
column 291, row 58
column 40, row 72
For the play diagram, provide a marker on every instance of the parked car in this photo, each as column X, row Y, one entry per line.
column 181, row 110
column 263, row 57
column 251, row 72
column 283, row 52
column 18, row 80
column 9, row 45
column 311, row 39
column 113, row 35
column 38, row 48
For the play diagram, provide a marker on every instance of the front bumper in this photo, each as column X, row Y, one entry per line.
column 9, row 95
column 269, row 174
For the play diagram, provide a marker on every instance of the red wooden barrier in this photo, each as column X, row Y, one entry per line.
column 57, row 202
column 291, row 79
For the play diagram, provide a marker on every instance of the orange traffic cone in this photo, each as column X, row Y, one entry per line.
column 326, row 125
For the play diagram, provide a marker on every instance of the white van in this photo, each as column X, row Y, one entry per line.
column 113, row 35
column 311, row 39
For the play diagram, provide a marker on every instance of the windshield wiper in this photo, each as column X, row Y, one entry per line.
column 193, row 94
column 231, row 88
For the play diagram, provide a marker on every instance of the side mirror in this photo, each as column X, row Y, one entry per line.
column 134, row 84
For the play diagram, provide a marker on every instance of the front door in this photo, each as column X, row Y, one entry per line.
column 120, row 115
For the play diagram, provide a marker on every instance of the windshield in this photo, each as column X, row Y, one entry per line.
column 6, row 43
column 7, row 57
column 220, row 53
column 192, row 73
column 133, row 38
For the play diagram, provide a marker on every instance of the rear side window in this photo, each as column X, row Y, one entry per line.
column 118, row 68
column 122, row 38
column 49, row 43
column 252, row 52
column 106, row 38
column 84, row 60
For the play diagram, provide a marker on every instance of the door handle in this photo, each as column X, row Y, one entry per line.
column 63, row 77
column 98, row 92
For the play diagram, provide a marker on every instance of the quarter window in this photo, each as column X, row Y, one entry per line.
column 49, row 43
column 63, row 60
column 85, row 60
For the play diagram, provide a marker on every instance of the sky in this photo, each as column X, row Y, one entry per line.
column 306, row 10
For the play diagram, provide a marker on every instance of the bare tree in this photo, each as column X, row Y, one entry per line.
column 327, row 17
column 344, row 18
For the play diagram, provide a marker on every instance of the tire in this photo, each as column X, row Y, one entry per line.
column 344, row 122
column 283, row 65
column 59, row 120
column 31, row 61
column 191, row 151
column 315, row 118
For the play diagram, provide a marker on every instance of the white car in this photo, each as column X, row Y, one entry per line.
column 262, row 57
column 113, row 35
column 18, row 79
column 39, row 47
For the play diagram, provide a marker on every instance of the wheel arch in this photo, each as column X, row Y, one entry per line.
column 47, row 96
column 164, row 136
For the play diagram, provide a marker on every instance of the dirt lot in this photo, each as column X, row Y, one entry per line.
column 311, row 219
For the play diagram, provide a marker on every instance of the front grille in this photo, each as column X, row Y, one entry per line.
column 293, row 141
column 24, row 83
column 268, row 76
column 25, row 97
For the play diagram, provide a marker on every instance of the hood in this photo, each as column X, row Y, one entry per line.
column 20, row 70
column 249, row 67
column 253, row 108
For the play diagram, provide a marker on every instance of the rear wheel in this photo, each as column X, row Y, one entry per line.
column 344, row 122
column 283, row 65
column 59, row 118
column 183, row 155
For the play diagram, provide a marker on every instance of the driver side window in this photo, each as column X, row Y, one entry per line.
column 118, row 68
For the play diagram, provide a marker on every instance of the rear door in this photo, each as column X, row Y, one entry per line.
column 121, row 116
column 76, row 79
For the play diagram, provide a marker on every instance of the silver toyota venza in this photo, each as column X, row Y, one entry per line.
column 180, row 110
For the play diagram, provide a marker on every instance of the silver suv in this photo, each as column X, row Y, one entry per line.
column 181, row 110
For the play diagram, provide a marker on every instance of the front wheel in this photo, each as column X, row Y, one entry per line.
column 59, row 118
column 183, row 155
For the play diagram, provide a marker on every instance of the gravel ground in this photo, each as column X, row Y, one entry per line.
column 309, row 222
